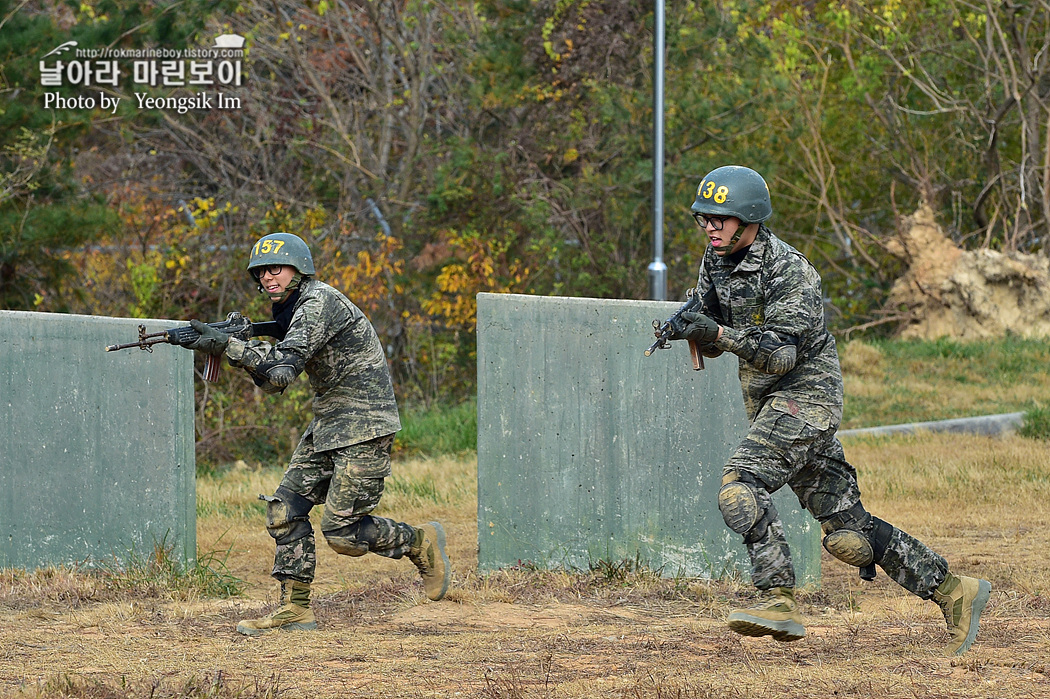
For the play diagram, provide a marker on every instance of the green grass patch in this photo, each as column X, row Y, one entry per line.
column 438, row 429
column 1005, row 360
column 899, row 381
column 160, row 573
column 1036, row 424
column 420, row 490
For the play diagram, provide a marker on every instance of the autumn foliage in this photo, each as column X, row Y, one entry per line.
column 430, row 151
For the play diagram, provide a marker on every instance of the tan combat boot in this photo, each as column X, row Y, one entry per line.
column 962, row 600
column 428, row 553
column 293, row 612
column 775, row 615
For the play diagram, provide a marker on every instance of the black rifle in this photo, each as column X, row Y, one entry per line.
column 693, row 304
column 235, row 325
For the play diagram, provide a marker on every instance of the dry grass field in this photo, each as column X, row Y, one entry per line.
column 615, row 631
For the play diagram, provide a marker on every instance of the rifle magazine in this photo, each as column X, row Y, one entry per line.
column 212, row 364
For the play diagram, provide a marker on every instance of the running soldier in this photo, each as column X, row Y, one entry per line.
column 768, row 310
column 344, row 455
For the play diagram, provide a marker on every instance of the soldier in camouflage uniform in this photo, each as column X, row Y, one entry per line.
column 344, row 455
column 767, row 309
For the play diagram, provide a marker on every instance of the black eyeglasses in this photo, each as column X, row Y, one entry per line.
column 274, row 270
column 716, row 222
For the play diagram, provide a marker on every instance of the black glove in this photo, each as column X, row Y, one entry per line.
column 240, row 327
column 696, row 327
column 211, row 341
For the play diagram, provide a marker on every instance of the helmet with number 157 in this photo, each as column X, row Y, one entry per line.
column 281, row 249
column 733, row 190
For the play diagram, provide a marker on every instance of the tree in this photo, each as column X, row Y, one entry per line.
column 44, row 211
column 956, row 95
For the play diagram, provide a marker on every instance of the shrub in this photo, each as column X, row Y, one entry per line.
column 1036, row 424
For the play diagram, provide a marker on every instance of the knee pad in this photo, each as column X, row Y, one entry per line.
column 855, row 537
column 745, row 510
column 850, row 547
column 355, row 539
column 287, row 515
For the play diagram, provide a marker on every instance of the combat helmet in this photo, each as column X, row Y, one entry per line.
column 282, row 249
column 733, row 190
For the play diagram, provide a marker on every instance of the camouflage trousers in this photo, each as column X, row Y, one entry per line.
column 784, row 449
column 349, row 482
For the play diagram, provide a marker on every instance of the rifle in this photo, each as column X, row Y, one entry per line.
column 693, row 303
column 664, row 330
column 235, row 325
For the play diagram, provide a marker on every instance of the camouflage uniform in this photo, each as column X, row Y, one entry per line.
column 344, row 455
column 771, row 309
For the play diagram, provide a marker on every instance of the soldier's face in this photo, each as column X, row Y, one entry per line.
column 274, row 284
column 720, row 232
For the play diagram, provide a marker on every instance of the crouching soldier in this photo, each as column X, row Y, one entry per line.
column 344, row 455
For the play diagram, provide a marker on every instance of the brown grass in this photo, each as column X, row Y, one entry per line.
column 891, row 382
column 615, row 631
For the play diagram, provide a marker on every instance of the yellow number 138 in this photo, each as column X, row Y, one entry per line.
column 709, row 192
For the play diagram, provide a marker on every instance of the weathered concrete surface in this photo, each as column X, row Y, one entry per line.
column 984, row 424
column 98, row 460
column 588, row 450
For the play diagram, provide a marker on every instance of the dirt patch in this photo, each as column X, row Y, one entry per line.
column 964, row 294
column 528, row 633
column 625, row 642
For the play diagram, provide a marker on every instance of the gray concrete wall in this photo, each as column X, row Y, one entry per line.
column 98, row 459
column 1003, row 423
column 588, row 450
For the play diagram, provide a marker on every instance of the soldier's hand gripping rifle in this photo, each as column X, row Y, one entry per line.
column 235, row 325
column 665, row 330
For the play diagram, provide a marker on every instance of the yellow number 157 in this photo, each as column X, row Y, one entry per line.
column 266, row 246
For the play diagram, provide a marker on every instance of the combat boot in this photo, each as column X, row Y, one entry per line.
column 962, row 600
column 428, row 553
column 293, row 612
column 775, row 615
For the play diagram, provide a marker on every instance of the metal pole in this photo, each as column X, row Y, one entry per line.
column 657, row 268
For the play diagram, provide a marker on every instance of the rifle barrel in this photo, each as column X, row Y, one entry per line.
column 141, row 344
column 660, row 342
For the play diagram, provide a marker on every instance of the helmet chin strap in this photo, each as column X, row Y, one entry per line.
column 724, row 250
column 283, row 296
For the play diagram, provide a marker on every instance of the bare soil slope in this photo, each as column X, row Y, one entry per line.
column 967, row 295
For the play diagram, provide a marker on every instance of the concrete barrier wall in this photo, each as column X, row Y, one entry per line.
column 1003, row 423
column 98, row 455
column 588, row 450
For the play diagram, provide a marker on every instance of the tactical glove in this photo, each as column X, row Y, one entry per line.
column 211, row 341
column 239, row 326
column 696, row 327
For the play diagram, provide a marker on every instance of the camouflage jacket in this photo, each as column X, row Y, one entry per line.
column 772, row 313
column 332, row 340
